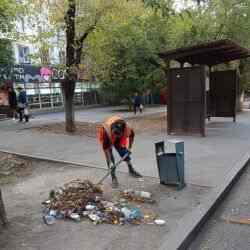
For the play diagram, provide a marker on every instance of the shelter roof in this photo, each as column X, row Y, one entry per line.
column 210, row 53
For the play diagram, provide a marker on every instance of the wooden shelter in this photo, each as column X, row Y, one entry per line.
column 195, row 92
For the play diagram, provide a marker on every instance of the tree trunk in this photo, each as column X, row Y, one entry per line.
column 73, row 59
column 68, row 85
column 3, row 217
column 68, row 88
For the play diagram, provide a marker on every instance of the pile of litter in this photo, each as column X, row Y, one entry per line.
column 79, row 200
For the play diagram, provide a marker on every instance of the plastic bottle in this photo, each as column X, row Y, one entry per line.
column 131, row 213
column 126, row 212
column 90, row 207
column 49, row 220
column 160, row 222
column 143, row 194
column 135, row 214
column 53, row 212
column 95, row 218
column 75, row 217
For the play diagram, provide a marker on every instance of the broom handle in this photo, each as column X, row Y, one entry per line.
column 112, row 168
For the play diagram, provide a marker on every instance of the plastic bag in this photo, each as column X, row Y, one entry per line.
column 26, row 111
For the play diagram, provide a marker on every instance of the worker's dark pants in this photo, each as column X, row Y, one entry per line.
column 122, row 151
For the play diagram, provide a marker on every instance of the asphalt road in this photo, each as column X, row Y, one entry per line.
column 217, row 234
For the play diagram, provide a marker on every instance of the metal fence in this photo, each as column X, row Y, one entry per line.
column 49, row 95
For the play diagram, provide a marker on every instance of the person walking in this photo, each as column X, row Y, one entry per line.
column 116, row 133
column 22, row 105
column 137, row 103
column 12, row 101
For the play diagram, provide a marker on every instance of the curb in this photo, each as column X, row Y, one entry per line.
column 70, row 163
column 189, row 226
column 40, row 158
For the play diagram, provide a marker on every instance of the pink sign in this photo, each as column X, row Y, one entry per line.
column 45, row 73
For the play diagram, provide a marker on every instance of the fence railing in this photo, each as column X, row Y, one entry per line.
column 49, row 95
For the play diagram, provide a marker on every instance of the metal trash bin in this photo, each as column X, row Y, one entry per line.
column 171, row 165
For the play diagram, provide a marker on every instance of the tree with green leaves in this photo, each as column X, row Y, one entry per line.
column 216, row 20
column 8, row 11
column 76, row 20
column 6, row 52
column 121, row 39
column 123, row 56
column 78, row 17
column 124, row 51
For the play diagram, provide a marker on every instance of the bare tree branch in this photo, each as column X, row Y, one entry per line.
column 91, row 28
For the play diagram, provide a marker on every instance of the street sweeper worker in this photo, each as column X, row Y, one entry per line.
column 115, row 132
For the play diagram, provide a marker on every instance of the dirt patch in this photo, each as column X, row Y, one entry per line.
column 152, row 124
column 12, row 167
column 82, row 128
column 27, row 231
column 149, row 124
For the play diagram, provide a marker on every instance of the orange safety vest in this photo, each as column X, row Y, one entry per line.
column 106, row 127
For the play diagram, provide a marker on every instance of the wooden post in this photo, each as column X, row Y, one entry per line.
column 3, row 217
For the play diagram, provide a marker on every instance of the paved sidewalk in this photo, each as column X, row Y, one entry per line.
column 85, row 115
column 98, row 114
column 208, row 159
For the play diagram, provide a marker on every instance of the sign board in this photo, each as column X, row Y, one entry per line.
column 27, row 73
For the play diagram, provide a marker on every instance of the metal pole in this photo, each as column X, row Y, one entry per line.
column 51, row 96
column 39, row 96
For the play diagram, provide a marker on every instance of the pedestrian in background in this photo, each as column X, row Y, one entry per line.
column 22, row 105
column 12, row 101
column 137, row 103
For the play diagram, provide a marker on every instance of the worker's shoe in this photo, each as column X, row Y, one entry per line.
column 115, row 182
